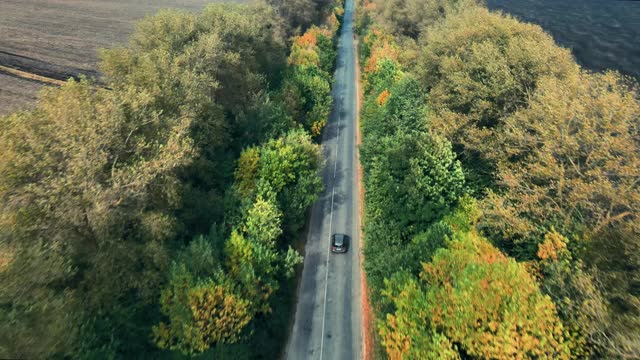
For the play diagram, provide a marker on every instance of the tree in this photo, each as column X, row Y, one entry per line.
column 471, row 300
column 571, row 161
column 400, row 108
column 479, row 67
column 416, row 180
column 201, row 314
column 104, row 186
column 289, row 172
column 212, row 68
column 412, row 182
column 300, row 14
column 263, row 222
column 413, row 17
column 574, row 153
column 87, row 187
column 307, row 93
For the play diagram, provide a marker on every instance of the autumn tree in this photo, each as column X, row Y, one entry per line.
column 413, row 17
column 201, row 313
column 89, row 190
column 571, row 165
column 570, row 160
column 471, row 300
column 479, row 67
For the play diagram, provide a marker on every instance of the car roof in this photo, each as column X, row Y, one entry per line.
column 338, row 239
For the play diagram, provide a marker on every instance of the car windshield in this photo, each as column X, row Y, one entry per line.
column 338, row 240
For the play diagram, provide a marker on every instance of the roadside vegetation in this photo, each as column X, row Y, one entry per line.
column 502, row 194
column 155, row 215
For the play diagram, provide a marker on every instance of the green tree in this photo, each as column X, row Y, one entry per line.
column 411, row 184
column 401, row 107
column 327, row 52
column 289, row 171
column 307, row 95
column 416, row 180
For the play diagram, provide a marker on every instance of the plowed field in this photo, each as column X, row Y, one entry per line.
column 60, row 38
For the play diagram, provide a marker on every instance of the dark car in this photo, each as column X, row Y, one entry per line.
column 339, row 243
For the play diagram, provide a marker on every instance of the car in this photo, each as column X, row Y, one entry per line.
column 339, row 243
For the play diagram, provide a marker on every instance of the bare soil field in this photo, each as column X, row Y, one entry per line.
column 16, row 93
column 60, row 38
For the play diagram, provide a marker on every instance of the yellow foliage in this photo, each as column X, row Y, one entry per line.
column 554, row 244
column 316, row 128
column 474, row 296
column 305, row 47
column 6, row 257
column 238, row 251
column 247, row 170
column 218, row 315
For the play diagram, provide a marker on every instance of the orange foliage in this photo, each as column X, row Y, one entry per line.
column 472, row 295
column 385, row 50
column 554, row 244
column 316, row 128
column 383, row 97
column 308, row 39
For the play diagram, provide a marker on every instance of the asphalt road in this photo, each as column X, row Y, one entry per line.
column 328, row 318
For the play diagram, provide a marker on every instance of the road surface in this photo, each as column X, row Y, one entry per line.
column 328, row 318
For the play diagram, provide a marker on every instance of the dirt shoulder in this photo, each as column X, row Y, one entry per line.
column 367, row 312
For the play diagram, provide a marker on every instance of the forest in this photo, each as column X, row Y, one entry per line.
column 156, row 212
column 502, row 189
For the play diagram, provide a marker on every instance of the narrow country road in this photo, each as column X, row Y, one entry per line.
column 328, row 317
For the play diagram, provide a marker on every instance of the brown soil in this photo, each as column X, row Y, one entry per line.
column 59, row 39
column 16, row 93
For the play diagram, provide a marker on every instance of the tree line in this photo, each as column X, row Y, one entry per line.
column 157, row 215
column 501, row 188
